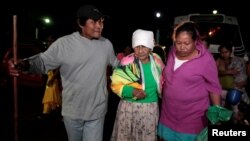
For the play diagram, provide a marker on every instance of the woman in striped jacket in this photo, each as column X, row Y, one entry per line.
column 137, row 81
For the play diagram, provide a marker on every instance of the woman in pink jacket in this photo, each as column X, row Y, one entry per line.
column 191, row 83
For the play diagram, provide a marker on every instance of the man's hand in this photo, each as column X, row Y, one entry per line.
column 16, row 69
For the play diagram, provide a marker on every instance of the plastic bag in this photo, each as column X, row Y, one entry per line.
column 202, row 135
column 214, row 114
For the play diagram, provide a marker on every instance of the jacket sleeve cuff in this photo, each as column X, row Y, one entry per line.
column 127, row 91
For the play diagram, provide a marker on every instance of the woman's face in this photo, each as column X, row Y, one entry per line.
column 225, row 53
column 184, row 44
column 142, row 53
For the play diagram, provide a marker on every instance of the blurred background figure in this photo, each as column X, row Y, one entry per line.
column 126, row 51
column 232, row 75
column 247, row 87
column 232, row 70
column 161, row 52
column 243, row 115
column 206, row 42
column 50, row 39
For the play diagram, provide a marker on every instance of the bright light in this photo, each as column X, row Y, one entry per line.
column 158, row 14
column 210, row 33
column 47, row 20
column 215, row 12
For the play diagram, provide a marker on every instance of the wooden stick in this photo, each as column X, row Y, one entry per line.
column 15, row 78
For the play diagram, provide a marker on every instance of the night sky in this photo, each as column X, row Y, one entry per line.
column 125, row 17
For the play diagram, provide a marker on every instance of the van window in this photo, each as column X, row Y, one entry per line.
column 219, row 29
column 220, row 33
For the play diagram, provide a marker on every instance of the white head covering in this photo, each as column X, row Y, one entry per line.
column 143, row 37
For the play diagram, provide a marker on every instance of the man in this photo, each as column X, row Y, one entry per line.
column 82, row 58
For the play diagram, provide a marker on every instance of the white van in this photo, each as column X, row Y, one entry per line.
column 220, row 29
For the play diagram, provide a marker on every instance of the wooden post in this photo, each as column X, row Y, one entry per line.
column 15, row 78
